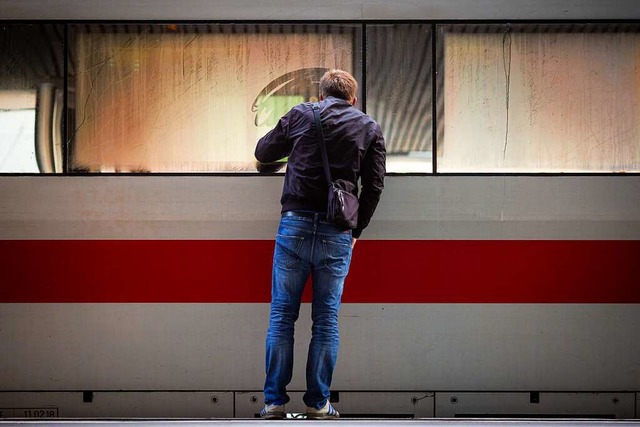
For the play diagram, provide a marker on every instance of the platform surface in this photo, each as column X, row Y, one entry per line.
column 449, row 422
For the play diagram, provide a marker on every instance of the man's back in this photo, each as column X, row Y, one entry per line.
column 355, row 148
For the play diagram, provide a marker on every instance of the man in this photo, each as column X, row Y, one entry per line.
column 307, row 242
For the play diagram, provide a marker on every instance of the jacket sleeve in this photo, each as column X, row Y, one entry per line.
column 372, row 179
column 276, row 144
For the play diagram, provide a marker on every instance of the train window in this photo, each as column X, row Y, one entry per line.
column 31, row 82
column 399, row 92
column 540, row 98
column 193, row 98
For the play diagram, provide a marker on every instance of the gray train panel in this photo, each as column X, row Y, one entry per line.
column 559, row 405
column 216, row 404
column 349, row 404
column 384, row 347
column 416, row 207
column 116, row 405
column 328, row 9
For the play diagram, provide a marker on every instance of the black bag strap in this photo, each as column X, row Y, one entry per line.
column 323, row 147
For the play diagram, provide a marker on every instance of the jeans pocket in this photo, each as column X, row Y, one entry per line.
column 337, row 255
column 287, row 252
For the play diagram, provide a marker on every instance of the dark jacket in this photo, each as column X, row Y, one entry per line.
column 355, row 147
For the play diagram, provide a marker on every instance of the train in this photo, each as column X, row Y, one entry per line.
column 499, row 276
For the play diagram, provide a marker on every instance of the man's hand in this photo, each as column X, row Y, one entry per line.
column 353, row 242
column 270, row 167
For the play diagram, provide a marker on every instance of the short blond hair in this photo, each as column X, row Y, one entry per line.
column 339, row 84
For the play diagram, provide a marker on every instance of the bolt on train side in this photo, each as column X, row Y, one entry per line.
column 499, row 276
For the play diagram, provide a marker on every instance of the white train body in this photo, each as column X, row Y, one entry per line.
column 148, row 296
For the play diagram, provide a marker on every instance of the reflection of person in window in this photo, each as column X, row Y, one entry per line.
column 306, row 242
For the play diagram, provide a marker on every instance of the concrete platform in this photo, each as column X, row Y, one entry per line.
column 458, row 422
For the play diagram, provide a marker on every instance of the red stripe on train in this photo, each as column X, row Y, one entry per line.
column 382, row 271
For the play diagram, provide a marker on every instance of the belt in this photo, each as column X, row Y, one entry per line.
column 306, row 214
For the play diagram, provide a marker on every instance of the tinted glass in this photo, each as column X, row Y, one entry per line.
column 167, row 98
column 399, row 92
column 540, row 98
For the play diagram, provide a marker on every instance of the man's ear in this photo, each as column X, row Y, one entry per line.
column 354, row 100
column 321, row 97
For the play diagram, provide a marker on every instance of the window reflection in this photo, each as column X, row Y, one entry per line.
column 194, row 98
column 31, row 68
column 17, row 131
column 399, row 92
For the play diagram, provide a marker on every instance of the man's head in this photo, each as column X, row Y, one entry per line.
column 339, row 84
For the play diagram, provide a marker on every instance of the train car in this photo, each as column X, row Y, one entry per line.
column 499, row 276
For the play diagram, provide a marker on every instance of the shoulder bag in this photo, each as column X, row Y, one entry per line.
column 342, row 208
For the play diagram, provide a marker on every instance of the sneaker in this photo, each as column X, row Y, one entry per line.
column 272, row 412
column 327, row 412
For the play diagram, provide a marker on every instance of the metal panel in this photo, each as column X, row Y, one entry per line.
column 384, row 347
column 558, row 405
column 349, row 404
column 328, row 9
column 416, row 207
column 116, row 404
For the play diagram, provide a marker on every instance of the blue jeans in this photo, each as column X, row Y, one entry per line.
column 305, row 245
